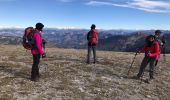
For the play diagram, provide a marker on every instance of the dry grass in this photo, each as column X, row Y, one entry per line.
column 66, row 76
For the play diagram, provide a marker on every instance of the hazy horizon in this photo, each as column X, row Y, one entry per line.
column 76, row 28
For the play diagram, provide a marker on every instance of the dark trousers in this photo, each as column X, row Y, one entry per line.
column 35, row 68
column 93, row 47
column 146, row 60
column 156, row 63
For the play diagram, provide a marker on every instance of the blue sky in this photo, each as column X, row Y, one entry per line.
column 106, row 14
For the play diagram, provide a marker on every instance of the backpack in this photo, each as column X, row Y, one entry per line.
column 160, row 41
column 28, row 40
column 90, row 38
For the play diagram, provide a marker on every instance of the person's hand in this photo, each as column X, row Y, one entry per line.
column 150, row 55
column 44, row 41
column 138, row 50
column 44, row 55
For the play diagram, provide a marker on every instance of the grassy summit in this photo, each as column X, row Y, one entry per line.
column 65, row 75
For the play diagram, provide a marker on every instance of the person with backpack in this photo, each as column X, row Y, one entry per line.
column 92, row 39
column 37, row 51
column 158, row 37
column 161, row 42
column 152, row 52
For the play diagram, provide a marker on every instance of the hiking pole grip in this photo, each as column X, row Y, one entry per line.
column 132, row 63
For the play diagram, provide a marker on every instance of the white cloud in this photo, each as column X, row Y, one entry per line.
column 100, row 3
column 150, row 4
column 145, row 5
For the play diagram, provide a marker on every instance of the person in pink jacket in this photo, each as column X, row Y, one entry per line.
column 37, row 51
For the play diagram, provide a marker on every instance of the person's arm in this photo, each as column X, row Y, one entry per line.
column 38, row 43
column 142, row 50
column 88, row 36
column 163, row 39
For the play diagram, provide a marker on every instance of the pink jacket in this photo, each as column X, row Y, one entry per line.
column 38, row 44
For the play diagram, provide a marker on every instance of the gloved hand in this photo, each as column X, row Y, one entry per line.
column 44, row 55
column 138, row 50
column 147, row 54
column 44, row 41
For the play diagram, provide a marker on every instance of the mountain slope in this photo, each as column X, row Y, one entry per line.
column 10, row 40
column 112, row 40
column 65, row 75
column 127, row 43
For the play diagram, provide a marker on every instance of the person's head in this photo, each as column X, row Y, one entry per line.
column 158, row 33
column 151, row 38
column 39, row 26
column 93, row 26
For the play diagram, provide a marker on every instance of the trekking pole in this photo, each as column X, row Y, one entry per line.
column 132, row 63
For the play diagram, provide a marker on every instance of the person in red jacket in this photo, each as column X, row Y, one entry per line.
column 152, row 52
column 92, row 42
column 37, row 51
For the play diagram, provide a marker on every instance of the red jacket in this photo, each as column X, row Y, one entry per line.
column 153, row 49
column 93, row 37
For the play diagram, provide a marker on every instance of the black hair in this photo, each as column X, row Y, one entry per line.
column 148, row 42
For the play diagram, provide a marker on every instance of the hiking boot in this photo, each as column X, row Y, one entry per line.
column 38, row 75
column 35, row 79
column 88, row 62
column 150, row 80
column 136, row 77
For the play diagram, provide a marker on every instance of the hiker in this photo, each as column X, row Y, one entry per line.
column 92, row 42
column 37, row 51
column 152, row 52
column 161, row 42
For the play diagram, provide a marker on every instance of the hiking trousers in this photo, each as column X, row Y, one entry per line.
column 35, row 68
column 93, row 47
column 147, row 60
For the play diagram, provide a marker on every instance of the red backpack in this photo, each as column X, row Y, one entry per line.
column 92, row 37
column 28, row 39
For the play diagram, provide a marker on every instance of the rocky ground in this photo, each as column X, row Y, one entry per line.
column 66, row 76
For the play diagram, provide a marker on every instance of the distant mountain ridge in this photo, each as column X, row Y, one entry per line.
column 112, row 40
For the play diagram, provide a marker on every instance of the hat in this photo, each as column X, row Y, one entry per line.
column 93, row 26
column 158, row 31
column 39, row 26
